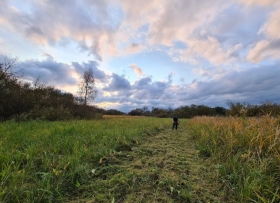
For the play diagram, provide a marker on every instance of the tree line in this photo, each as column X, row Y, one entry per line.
column 235, row 109
column 21, row 100
column 250, row 110
column 182, row 112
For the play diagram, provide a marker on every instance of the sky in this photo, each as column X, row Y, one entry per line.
column 153, row 53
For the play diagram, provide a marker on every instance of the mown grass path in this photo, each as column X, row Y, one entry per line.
column 165, row 167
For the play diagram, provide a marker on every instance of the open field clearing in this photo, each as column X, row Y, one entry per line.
column 208, row 159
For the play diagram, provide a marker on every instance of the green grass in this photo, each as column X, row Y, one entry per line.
column 48, row 161
column 164, row 167
column 120, row 160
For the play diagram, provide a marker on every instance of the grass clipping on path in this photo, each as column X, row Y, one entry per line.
column 163, row 167
column 111, row 160
column 248, row 153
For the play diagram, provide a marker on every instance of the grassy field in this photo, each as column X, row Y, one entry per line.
column 247, row 153
column 127, row 159
column 46, row 161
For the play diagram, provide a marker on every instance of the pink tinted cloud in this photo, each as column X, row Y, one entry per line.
column 49, row 22
column 258, row 2
column 136, row 69
column 271, row 27
column 264, row 49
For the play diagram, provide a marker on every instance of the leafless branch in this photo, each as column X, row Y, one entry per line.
column 7, row 64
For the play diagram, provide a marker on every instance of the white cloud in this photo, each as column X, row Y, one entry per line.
column 48, row 56
column 204, row 72
column 179, row 19
column 271, row 27
column 205, row 41
column 100, row 32
column 118, row 83
column 170, row 76
column 49, row 22
column 99, row 75
column 139, row 13
column 259, row 2
column 253, row 85
column 171, row 21
column 264, row 49
column 210, row 49
column 49, row 71
column 134, row 48
column 136, row 69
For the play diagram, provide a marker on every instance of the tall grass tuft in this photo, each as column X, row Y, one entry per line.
column 247, row 151
column 46, row 161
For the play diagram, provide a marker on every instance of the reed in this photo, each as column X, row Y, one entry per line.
column 247, row 154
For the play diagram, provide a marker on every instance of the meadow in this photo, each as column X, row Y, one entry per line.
column 247, row 154
column 47, row 161
column 61, row 161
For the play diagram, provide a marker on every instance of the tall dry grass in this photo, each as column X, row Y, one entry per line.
column 247, row 153
column 121, row 116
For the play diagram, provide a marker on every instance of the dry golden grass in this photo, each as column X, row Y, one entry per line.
column 121, row 116
column 261, row 136
column 248, row 150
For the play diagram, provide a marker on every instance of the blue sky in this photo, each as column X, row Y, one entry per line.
column 154, row 53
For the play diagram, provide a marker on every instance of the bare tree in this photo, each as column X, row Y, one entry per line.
column 38, row 83
column 87, row 89
column 7, row 63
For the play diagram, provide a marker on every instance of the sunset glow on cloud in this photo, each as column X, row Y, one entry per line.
column 149, row 53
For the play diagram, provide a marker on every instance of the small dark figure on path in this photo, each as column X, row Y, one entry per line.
column 175, row 122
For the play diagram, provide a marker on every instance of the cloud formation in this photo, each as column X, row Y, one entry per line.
column 49, row 71
column 118, row 83
column 99, row 75
column 183, row 52
column 136, row 69
column 49, row 22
